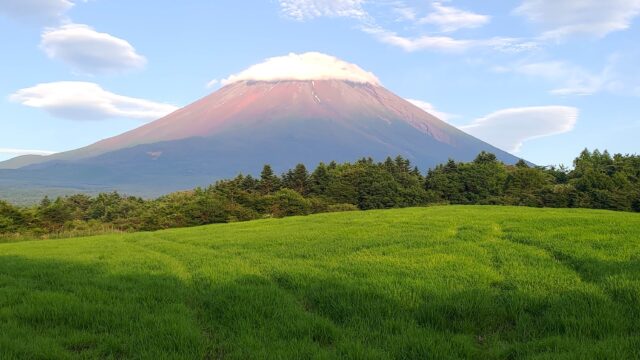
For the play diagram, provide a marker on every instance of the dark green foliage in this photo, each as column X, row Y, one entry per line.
column 269, row 182
column 598, row 180
column 11, row 218
column 297, row 179
column 287, row 202
column 479, row 182
column 320, row 179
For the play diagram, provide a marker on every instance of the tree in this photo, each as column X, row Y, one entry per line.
column 287, row 202
column 11, row 218
column 297, row 179
column 523, row 184
column 446, row 183
column 54, row 216
column 485, row 158
column 319, row 180
column 269, row 182
column 249, row 183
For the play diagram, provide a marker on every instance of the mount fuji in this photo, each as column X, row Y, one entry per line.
column 305, row 108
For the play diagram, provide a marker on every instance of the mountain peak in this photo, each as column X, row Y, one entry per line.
column 302, row 67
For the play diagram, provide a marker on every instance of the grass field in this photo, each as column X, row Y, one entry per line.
column 438, row 282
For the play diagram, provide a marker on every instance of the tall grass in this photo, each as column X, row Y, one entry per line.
column 438, row 282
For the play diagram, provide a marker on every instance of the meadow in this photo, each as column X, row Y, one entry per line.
column 485, row 282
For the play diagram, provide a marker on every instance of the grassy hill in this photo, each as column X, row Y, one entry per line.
column 438, row 282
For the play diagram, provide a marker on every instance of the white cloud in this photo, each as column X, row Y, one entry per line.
column 509, row 128
column 307, row 66
column 405, row 12
column 571, row 79
column 438, row 43
column 309, row 9
column 446, row 43
column 447, row 18
column 211, row 84
column 18, row 152
column 89, row 51
column 561, row 19
column 428, row 107
column 88, row 101
column 620, row 75
column 39, row 11
column 450, row 19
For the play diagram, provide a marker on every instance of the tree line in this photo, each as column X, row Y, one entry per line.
column 598, row 180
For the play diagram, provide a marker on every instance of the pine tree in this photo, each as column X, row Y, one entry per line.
column 269, row 182
column 485, row 158
column 297, row 179
column 319, row 180
column 403, row 165
column 45, row 203
column 249, row 183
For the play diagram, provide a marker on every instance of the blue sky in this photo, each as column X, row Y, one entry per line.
column 541, row 78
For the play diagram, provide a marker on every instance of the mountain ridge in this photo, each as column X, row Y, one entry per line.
column 248, row 123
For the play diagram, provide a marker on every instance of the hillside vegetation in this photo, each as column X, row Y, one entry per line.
column 438, row 282
column 598, row 180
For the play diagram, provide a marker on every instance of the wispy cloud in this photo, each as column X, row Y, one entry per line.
column 447, row 43
column 428, row 107
column 562, row 19
column 509, row 128
column 88, row 101
column 404, row 13
column 619, row 75
column 35, row 11
column 424, row 42
column 444, row 18
column 18, row 152
column 309, row 9
column 449, row 18
column 89, row 51
column 212, row 83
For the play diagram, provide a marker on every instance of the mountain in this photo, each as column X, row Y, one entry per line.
column 249, row 122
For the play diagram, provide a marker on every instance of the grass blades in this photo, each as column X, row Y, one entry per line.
column 441, row 282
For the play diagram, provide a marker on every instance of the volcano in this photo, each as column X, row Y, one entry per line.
column 315, row 108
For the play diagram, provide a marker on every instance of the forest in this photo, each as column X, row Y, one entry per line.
column 597, row 180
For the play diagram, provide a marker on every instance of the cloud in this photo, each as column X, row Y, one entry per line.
column 450, row 19
column 439, row 43
column 428, row 107
column 570, row 78
column 448, row 44
column 620, row 75
column 562, row 19
column 88, row 101
column 213, row 83
column 405, row 13
column 89, row 51
column 18, row 152
column 37, row 11
column 308, row 9
column 446, row 18
column 307, row 66
column 508, row 129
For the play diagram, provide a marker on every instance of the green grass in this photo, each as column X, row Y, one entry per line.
column 438, row 282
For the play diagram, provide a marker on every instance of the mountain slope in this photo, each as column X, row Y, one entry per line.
column 248, row 123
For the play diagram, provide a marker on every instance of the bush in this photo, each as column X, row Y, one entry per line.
column 287, row 202
column 342, row 207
